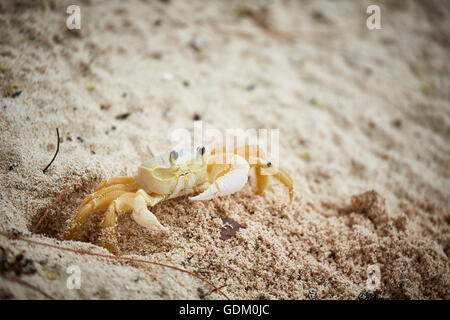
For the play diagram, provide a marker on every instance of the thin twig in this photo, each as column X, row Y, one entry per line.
column 85, row 252
column 212, row 291
column 57, row 150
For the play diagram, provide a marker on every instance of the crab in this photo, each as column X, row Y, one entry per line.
column 216, row 173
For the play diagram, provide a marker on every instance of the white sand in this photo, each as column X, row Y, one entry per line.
column 365, row 130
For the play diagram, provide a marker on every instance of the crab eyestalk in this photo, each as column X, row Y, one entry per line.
column 173, row 157
column 201, row 152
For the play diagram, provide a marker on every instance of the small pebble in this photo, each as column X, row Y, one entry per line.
column 16, row 94
column 307, row 156
column 397, row 123
column 427, row 89
column 157, row 55
column 16, row 233
column 123, row 116
column 196, row 45
column 52, row 276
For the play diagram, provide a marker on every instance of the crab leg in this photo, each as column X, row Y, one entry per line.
column 257, row 159
column 263, row 180
column 115, row 180
column 285, row 179
column 96, row 204
column 102, row 192
column 137, row 202
column 109, row 224
column 243, row 151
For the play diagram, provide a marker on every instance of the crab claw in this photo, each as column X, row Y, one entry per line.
column 145, row 217
column 227, row 181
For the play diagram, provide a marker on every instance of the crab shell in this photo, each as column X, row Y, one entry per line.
column 172, row 178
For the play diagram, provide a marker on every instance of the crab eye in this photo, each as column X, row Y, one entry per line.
column 173, row 156
column 201, row 150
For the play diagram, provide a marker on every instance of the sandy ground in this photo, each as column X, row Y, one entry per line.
column 364, row 119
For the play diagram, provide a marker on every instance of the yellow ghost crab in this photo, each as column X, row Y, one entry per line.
column 216, row 173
